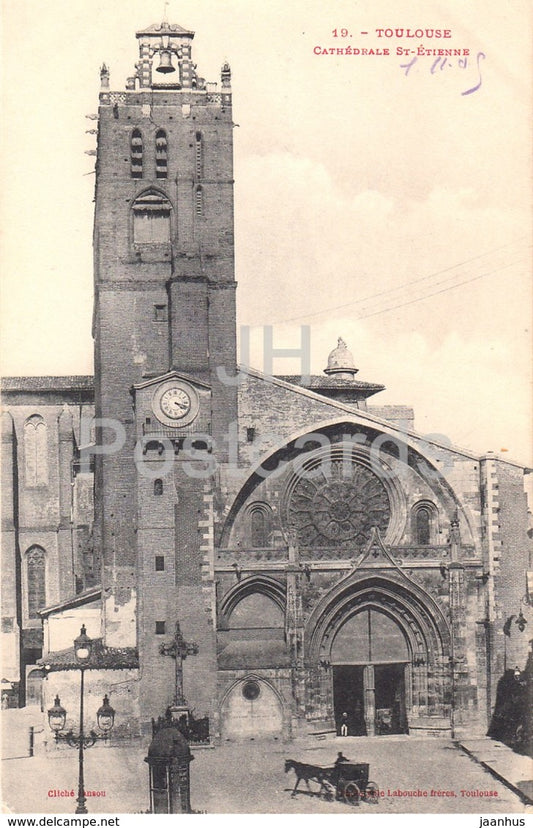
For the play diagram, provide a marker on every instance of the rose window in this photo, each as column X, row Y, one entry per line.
column 338, row 504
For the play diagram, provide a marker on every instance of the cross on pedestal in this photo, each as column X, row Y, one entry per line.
column 179, row 649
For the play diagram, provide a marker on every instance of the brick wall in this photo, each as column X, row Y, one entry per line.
column 38, row 509
column 181, row 276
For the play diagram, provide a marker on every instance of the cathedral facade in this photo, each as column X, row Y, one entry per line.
column 304, row 556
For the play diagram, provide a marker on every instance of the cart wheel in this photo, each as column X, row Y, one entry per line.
column 351, row 794
column 372, row 793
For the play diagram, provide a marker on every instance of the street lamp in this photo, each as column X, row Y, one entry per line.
column 105, row 717
column 83, row 646
column 57, row 716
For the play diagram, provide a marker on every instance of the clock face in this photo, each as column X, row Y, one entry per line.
column 175, row 403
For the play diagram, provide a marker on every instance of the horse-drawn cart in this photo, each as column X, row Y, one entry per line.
column 346, row 781
column 352, row 784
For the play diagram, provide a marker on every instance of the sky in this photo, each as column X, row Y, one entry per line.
column 377, row 197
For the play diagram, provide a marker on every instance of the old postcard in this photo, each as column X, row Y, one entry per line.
column 266, row 424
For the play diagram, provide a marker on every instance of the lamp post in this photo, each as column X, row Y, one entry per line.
column 105, row 717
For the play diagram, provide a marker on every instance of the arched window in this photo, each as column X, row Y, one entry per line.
column 36, row 579
column 423, row 526
column 161, row 154
column 198, row 155
column 424, row 523
column 35, row 451
column 260, row 525
column 158, row 487
column 136, row 154
column 151, row 218
column 258, row 522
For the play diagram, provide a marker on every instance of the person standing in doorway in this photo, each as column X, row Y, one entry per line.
column 344, row 724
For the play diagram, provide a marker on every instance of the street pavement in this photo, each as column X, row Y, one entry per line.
column 414, row 775
column 511, row 768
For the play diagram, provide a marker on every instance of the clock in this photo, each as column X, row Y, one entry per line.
column 175, row 403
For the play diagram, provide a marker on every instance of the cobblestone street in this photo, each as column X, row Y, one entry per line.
column 249, row 777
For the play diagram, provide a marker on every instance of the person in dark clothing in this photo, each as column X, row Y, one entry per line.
column 344, row 725
column 340, row 758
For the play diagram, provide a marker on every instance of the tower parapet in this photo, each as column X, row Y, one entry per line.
column 170, row 47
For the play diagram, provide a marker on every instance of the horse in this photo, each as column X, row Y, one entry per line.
column 307, row 772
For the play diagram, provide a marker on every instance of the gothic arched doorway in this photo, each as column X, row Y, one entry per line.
column 378, row 647
column 370, row 660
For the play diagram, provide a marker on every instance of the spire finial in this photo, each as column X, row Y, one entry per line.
column 165, row 11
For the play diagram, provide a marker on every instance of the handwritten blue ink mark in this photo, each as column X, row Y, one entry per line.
column 475, row 88
column 407, row 66
column 441, row 62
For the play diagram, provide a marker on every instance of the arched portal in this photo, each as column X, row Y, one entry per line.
column 370, row 659
column 380, row 645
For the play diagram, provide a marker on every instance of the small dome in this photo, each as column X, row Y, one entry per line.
column 340, row 361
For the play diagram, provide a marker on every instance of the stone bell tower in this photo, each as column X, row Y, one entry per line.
column 164, row 330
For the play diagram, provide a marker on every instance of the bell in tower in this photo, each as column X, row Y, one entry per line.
column 166, row 48
column 165, row 54
column 165, row 62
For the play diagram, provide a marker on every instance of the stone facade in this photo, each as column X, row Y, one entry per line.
column 47, row 511
column 320, row 556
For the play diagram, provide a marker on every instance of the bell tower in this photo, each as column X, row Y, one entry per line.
column 164, row 332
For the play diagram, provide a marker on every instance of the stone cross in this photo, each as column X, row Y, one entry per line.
column 179, row 649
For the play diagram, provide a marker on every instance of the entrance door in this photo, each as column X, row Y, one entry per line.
column 34, row 684
column 348, row 697
column 369, row 654
column 372, row 696
column 389, row 685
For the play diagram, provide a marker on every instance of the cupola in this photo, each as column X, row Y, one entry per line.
column 340, row 362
